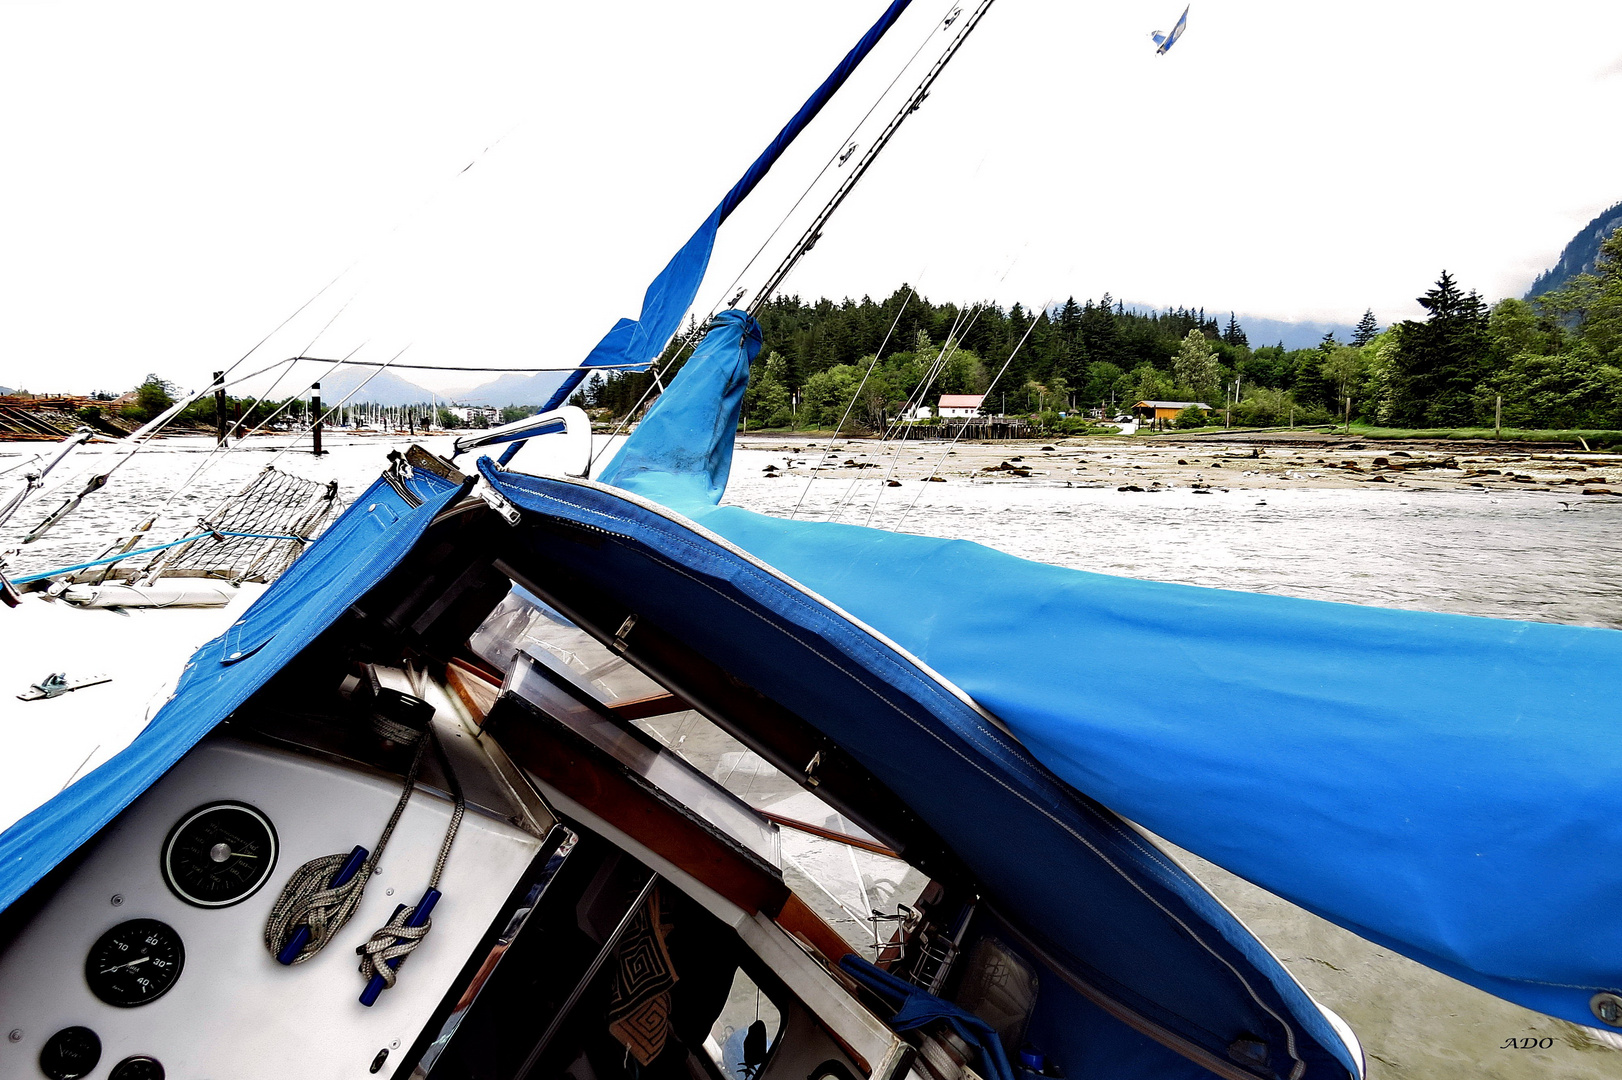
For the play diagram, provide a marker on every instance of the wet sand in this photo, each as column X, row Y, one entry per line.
column 1163, row 463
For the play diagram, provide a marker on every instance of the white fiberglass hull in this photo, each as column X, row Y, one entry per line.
column 51, row 742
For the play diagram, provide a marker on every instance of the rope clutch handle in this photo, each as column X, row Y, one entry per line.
column 323, row 894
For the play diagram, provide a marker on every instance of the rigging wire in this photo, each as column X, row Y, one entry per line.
column 915, row 100
column 839, row 155
column 953, row 343
column 510, row 370
column 948, row 449
column 916, row 399
column 850, row 489
column 814, row 232
column 210, row 458
column 834, row 438
column 844, row 499
column 335, row 407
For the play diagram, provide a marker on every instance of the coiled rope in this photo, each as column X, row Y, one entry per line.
column 388, row 947
column 311, row 900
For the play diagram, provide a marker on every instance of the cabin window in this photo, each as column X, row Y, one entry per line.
column 744, row 1035
column 523, row 622
column 840, row 871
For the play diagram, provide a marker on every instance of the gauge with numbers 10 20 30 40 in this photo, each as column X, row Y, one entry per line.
column 134, row 963
column 219, row 854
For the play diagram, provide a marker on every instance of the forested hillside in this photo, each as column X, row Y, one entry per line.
column 1579, row 256
column 1556, row 362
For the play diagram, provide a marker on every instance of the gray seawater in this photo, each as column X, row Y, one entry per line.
column 1520, row 555
column 1513, row 555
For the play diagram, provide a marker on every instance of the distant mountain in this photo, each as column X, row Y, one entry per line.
column 1294, row 335
column 1580, row 254
column 6, row 390
column 513, row 390
column 386, row 388
column 1260, row 331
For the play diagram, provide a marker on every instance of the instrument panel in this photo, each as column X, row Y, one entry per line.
column 149, row 960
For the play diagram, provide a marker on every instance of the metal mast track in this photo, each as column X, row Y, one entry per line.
column 813, row 232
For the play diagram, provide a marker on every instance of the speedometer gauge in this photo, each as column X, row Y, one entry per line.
column 134, row 963
column 219, row 854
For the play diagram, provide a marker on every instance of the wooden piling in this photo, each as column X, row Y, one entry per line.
column 315, row 423
column 219, row 408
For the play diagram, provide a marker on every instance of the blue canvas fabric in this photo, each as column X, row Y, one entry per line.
column 1443, row 785
column 369, row 538
column 671, row 293
column 1108, row 903
column 669, row 453
column 916, row 1007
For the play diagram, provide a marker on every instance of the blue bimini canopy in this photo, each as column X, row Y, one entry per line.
column 1446, row 786
column 351, row 556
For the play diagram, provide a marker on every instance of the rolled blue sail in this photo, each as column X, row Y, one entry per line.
column 671, row 293
column 1444, row 785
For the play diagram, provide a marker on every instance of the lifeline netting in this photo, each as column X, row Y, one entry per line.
column 274, row 505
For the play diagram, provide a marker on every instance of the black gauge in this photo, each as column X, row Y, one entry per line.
column 135, row 962
column 219, row 855
column 140, row 1067
column 70, row 1053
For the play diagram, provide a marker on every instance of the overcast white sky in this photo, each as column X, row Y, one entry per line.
column 178, row 178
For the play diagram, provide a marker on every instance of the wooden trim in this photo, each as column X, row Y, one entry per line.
column 472, row 690
column 562, row 760
column 828, row 834
column 477, row 667
column 643, row 707
column 802, row 923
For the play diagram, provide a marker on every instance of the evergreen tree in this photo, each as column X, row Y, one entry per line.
column 1100, row 335
column 1367, row 330
column 1438, row 362
column 1234, row 335
column 1071, row 359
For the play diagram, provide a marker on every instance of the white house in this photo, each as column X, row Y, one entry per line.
column 960, row 406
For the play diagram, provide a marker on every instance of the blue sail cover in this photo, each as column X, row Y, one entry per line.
column 671, row 293
column 351, row 556
column 1446, row 786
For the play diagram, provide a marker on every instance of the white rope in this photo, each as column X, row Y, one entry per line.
column 307, row 899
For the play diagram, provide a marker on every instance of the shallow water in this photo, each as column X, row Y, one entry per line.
column 1519, row 555
column 157, row 479
column 1508, row 555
